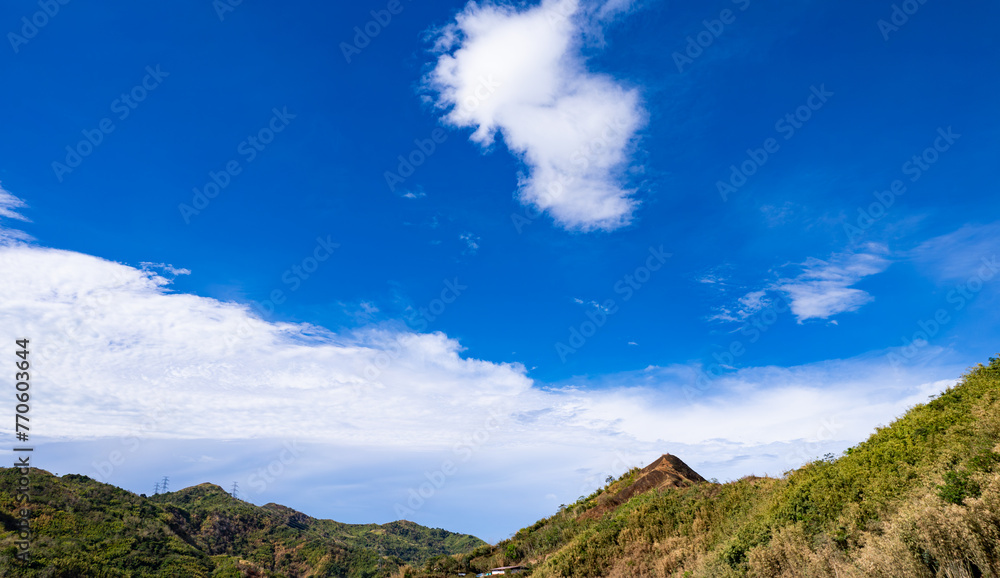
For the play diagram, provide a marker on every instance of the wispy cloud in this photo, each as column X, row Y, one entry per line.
column 744, row 308
column 775, row 215
column 824, row 288
column 10, row 207
column 820, row 290
column 471, row 243
column 957, row 255
column 521, row 73
column 147, row 266
column 414, row 193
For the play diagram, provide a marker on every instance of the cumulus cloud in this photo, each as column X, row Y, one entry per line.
column 521, row 73
column 379, row 385
column 113, row 345
column 118, row 356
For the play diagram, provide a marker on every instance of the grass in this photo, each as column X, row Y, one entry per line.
column 920, row 497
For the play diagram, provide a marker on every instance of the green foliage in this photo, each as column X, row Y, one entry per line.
column 958, row 486
column 85, row 528
column 817, row 516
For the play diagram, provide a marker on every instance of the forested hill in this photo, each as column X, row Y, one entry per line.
column 81, row 527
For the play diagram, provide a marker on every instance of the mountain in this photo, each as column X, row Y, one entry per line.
column 82, row 527
column 919, row 498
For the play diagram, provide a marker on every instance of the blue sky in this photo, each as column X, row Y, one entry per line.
column 620, row 228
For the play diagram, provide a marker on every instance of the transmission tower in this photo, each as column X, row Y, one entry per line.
column 164, row 483
column 236, row 490
column 156, row 488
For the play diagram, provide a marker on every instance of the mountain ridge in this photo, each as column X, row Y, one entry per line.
column 82, row 527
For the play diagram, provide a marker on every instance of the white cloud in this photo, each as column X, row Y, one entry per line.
column 750, row 406
column 521, row 73
column 824, row 288
column 958, row 255
column 414, row 193
column 147, row 266
column 112, row 344
column 612, row 8
column 745, row 307
column 115, row 353
column 471, row 243
column 753, row 301
column 775, row 216
column 820, row 290
column 10, row 207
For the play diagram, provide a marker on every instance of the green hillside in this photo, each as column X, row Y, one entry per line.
column 919, row 498
column 86, row 528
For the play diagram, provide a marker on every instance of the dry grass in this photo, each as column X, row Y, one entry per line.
column 920, row 499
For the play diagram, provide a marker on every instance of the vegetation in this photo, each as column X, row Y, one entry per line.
column 82, row 527
column 919, row 498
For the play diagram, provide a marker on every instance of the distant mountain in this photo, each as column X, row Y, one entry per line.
column 920, row 498
column 85, row 528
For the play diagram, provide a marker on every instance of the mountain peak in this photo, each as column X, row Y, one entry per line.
column 674, row 468
column 667, row 471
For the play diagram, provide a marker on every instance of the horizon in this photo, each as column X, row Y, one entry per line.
column 458, row 263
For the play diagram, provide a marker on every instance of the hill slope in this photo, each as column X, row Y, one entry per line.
column 919, row 498
column 86, row 528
